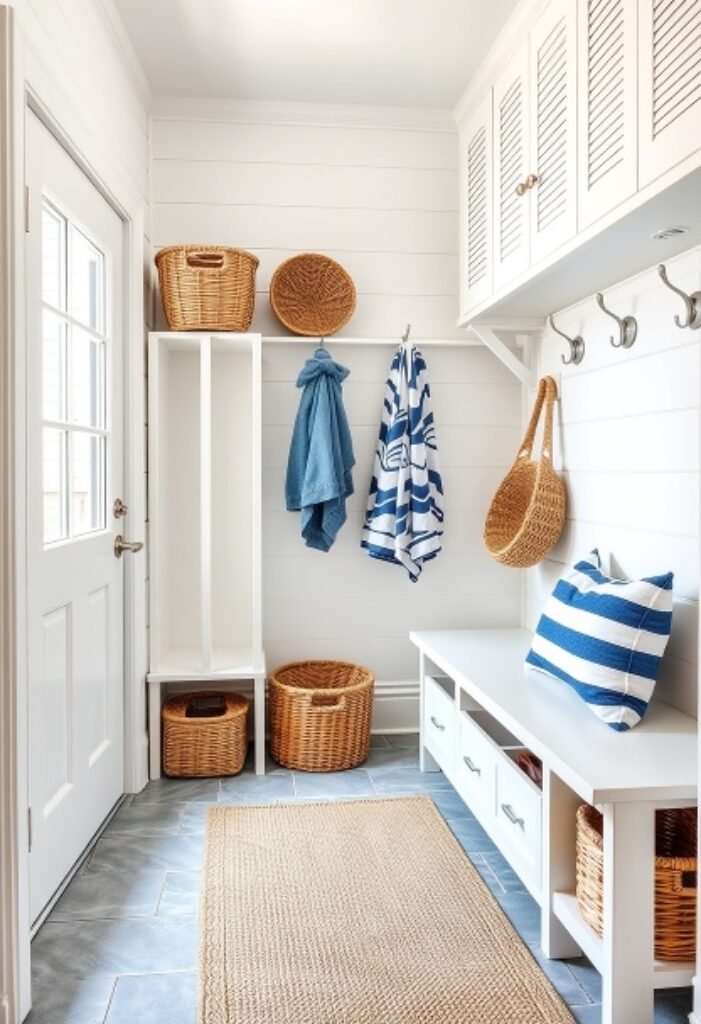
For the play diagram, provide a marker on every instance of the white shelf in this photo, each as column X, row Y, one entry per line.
column 185, row 664
column 566, row 909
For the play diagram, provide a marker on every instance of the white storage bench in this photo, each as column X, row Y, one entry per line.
column 480, row 707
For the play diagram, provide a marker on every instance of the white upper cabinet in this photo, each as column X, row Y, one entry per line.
column 607, row 107
column 511, row 170
column 553, row 90
column 670, row 84
column 476, row 206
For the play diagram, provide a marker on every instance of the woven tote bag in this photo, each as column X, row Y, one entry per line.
column 527, row 513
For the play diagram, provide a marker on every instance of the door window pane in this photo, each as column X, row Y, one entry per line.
column 54, row 355
column 53, row 227
column 87, row 483
column 87, row 380
column 87, row 282
column 54, row 475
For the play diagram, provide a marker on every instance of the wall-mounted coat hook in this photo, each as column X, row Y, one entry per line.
column 407, row 332
column 627, row 326
column 692, row 302
column 576, row 345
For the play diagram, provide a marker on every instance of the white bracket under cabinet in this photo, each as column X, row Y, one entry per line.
column 205, row 518
column 480, row 707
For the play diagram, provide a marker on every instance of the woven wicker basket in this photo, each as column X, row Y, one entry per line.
column 207, row 287
column 320, row 714
column 675, row 879
column 312, row 295
column 527, row 512
column 204, row 746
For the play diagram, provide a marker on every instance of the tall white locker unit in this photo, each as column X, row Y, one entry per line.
column 205, row 519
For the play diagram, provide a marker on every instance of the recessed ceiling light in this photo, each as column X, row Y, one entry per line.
column 660, row 236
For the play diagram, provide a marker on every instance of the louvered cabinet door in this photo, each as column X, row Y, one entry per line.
column 511, row 157
column 476, row 207
column 670, row 84
column 553, row 130
column 608, row 113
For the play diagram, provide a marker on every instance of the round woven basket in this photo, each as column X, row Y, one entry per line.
column 527, row 512
column 204, row 746
column 207, row 287
column 675, row 878
column 312, row 295
column 320, row 715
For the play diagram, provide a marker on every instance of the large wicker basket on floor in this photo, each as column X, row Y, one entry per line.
column 207, row 287
column 204, row 746
column 527, row 513
column 320, row 714
column 675, row 878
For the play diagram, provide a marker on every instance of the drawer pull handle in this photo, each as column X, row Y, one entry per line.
column 437, row 724
column 471, row 765
column 509, row 812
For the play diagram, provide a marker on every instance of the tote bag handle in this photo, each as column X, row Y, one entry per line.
column 547, row 393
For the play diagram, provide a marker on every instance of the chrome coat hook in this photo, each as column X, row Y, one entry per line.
column 407, row 332
column 692, row 302
column 576, row 345
column 627, row 326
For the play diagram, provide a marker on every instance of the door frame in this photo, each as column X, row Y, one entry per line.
column 25, row 86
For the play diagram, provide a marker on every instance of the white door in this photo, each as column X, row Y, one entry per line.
column 476, row 207
column 74, row 267
column 553, row 106
column 670, row 84
column 511, row 171
column 608, row 106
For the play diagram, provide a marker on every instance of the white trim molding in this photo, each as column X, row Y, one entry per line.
column 175, row 108
column 9, row 810
column 396, row 706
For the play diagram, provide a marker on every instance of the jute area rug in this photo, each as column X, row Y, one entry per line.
column 360, row 912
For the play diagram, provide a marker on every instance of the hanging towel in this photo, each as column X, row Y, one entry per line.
column 321, row 453
column 404, row 518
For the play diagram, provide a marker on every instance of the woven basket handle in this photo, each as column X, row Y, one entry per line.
column 547, row 393
column 327, row 701
column 205, row 259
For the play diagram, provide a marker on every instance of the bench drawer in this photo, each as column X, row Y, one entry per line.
column 439, row 724
column 476, row 765
column 518, row 817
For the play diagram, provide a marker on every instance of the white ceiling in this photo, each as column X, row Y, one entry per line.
column 412, row 53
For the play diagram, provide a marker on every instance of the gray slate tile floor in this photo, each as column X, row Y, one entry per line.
column 120, row 946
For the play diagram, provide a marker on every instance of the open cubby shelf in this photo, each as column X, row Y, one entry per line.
column 204, row 515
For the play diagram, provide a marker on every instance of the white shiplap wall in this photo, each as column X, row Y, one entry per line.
column 382, row 200
column 627, row 441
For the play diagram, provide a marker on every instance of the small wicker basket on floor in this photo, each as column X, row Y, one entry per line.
column 204, row 746
column 320, row 714
column 207, row 287
column 675, row 879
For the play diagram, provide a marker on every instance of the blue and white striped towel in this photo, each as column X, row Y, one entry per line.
column 605, row 638
column 404, row 518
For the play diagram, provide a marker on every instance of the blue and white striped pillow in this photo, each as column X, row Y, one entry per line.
column 605, row 638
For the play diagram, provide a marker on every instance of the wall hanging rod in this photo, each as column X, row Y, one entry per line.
column 467, row 342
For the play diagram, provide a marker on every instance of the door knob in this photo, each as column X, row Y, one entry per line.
column 121, row 545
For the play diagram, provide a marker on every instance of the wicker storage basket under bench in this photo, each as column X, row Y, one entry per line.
column 207, row 745
column 320, row 714
column 675, row 878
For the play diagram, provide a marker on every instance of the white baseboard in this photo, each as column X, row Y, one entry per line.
column 396, row 706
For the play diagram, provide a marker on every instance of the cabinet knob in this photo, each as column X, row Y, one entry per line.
column 524, row 186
